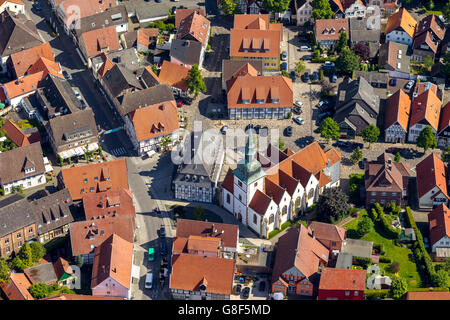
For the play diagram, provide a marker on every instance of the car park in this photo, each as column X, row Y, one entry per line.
column 298, row 103
column 246, row 293
column 288, row 131
column 284, row 56
column 409, row 85
column 298, row 120
column 297, row 110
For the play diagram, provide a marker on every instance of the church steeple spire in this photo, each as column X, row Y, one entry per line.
column 250, row 149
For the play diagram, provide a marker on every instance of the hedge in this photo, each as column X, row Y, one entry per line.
column 428, row 289
column 273, row 233
column 285, row 225
column 376, row 294
column 385, row 260
column 379, row 247
column 322, row 60
column 391, row 232
column 362, row 261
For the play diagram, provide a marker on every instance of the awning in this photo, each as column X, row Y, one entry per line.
column 93, row 146
column 135, row 272
column 64, row 154
column 48, row 168
column 71, row 152
column 79, row 151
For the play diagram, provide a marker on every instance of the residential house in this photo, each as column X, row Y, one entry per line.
column 427, row 295
column 364, row 30
column 439, row 221
column 194, row 27
column 64, row 273
column 65, row 10
column 53, row 214
column 146, row 39
column 342, row 284
column 149, row 115
column 17, row 33
column 17, row 287
column 42, row 273
column 18, row 224
column 107, row 204
column 19, row 137
column 187, row 53
column 174, row 75
column 421, row 87
column 386, row 181
column 302, row 11
column 116, row 16
column 431, row 182
column 20, row 62
column 22, row 167
column 73, row 134
column 386, row 7
column 68, row 296
column 227, row 233
column 330, row 235
column 357, row 106
column 393, row 58
column 348, row 8
column 425, row 111
column 328, row 31
column 94, row 42
column 85, row 236
column 198, row 173
column 251, row 96
column 14, row 6
column 111, row 272
column 182, row 13
column 230, row 67
column 93, row 178
column 429, row 34
column 398, row 109
column 264, row 200
column 250, row 6
column 298, row 260
column 400, row 27
column 255, row 38
column 443, row 137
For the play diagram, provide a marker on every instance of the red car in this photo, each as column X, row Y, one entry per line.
column 392, row 150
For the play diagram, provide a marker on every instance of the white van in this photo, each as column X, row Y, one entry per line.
column 148, row 280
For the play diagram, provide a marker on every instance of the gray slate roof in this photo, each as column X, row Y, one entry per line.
column 360, row 33
column 358, row 89
column 358, row 248
column 344, row 261
column 145, row 97
column 186, row 51
column 130, row 39
column 127, row 58
column 119, row 78
column 52, row 211
column 15, row 213
column 17, row 33
column 59, row 94
column 13, row 163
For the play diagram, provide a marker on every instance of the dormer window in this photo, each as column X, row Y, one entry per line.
column 275, row 100
column 325, row 31
column 29, row 170
column 245, row 101
column 332, row 31
column 259, row 100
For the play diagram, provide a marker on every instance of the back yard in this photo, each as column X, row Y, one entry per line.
column 401, row 254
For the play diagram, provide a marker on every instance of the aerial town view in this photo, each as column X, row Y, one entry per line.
column 232, row 150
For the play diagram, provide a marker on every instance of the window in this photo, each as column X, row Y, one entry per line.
column 373, row 193
column 30, row 230
column 7, row 249
column 271, row 218
column 394, row 194
column 19, row 236
column 240, row 184
column 228, row 198
column 6, row 241
column 284, row 211
column 85, row 180
column 92, row 189
column 333, row 243
column 82, row 190
column 240, row 198
column 383, row 194
column 347, row 293
column 356, row 293
column 255, row 219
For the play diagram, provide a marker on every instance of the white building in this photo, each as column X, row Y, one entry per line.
column 15, row 6
column 303, row 12
column 425, row 111
column 431, row 182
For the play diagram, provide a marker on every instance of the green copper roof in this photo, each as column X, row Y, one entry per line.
column 249, row 170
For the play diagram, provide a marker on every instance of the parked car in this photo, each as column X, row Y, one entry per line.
column 328, row 65
column 83, row 104
column 362, row 163
column 307, row 56
column 66, row 75
column 306, row 77
column 409, row 85
column 162, row 231
column 356, row 144
column 149, row 280
column 224, row 130
column 246, row 293
column 392, row 150
column 264, row 131
column 288, row 131
column 284, row 56
column 333, row 78
column 342, row 144
column 284, row 66
column 262, row 285
column 293, row 76
column 238, row 289
column 186, row 100
column 298, row 103
column 297, row 110
column 298, row 120
column 38, row 6
column 77, row 93
column 315, row 76
column 305, row 48
column 324, row 115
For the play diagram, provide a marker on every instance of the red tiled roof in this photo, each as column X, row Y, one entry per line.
column 174, row 75
column 403, row 20
column 113, row 259
column 430, row 23
column 260, row 202
column 445, row 117
column 426, row 107
column 227, row 232
column 99, row 40
column 86, row 8
column 425, row 38
column 85, row 236
column 330, row 29
column 23, row 86
column 398, row 108
column 190, row 270
column 327, row 231
column 228, row 182
column 199, row 243
column 46, row 66
column 17, row 287
column 107, row 204
column 112, row 172
column 194, row 25
column 15, row 134
column 273, row 190
column 264, row 43
column 145, row 34
column 431, row 173
column 23, row 60
column 61, row 266
column 427, row 295
column 181, row 14
column 106, row 66
column 439, row 221
column 67, row 296
column 342, row 279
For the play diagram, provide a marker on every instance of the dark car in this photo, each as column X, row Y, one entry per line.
column 264, row 131
column 307, row 57
column 162, row 231
column 238, row 289
column 246, row 293
column 288, row 132
column 297, row 110
column 315, row 76
column 324, row 115
column 305, row 77
column 342, row 144
column 38, row 6
column 186, row 100
column 83, row 104
column 257, row 128
column 356, row 145
column 66, row 75
column 284, row 66
column 293, row 75
column 362, row 163
column 392, row 150
column 163, row 249
column 262, row 286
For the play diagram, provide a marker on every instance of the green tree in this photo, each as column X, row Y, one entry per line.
column 229, row 7
column 370, row 134
column 276, row 6
column 4, row 271
column 362, row 50
column 39, row 290
column 342, row 42
column 329, row 129
column 195, row 81
column 332, row 205
column 280, row 144
column 300, row 66
column 428, row 62
column 356, row 155
column 37, row 251
column 446, row 264
column 446, row 11
column 446, row 65
column 199, row 212
column 61, row 160
column 445, row 156
column 397, row 157
column 364, row 226
column 426, row 139
column 26, row 255
column 440, row 279
column 321, row 9
column 165, row 141
column 398, row 288
column 348, row 61
column 100, row 151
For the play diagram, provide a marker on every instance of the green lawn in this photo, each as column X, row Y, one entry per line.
column 408, row 268
column 209, row 215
